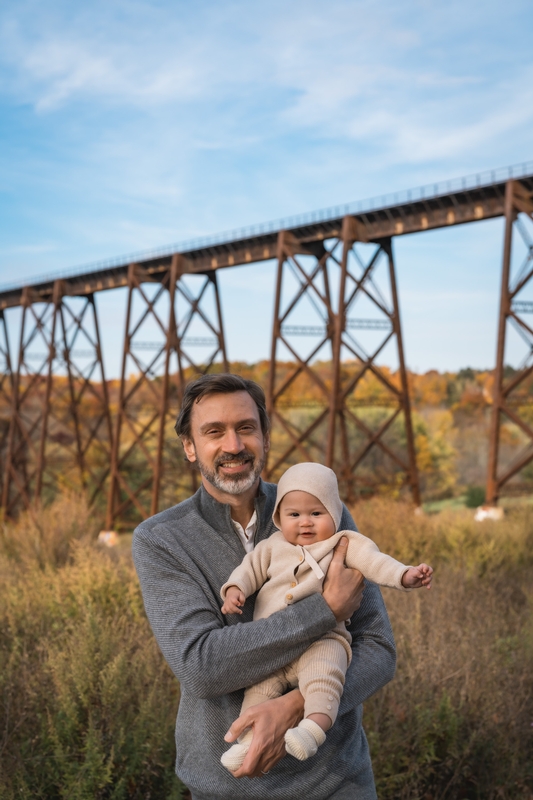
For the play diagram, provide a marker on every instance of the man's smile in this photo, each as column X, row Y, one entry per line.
column 234, row 465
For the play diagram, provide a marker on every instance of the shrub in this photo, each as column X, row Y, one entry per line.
column 87, row 705
column 457, row 720
column 45, row 535
column 475, row 496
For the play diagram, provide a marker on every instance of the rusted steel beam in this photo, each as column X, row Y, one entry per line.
column 6, row 394
column 442, row 210
column 170, row 345
column 22, row 456
column 348, row 237
column 518, row 210
column 56, row 301
column 405, row 401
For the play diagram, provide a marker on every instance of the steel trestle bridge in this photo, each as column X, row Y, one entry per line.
column 339, row 262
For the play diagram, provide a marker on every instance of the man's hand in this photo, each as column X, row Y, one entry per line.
column 233, row 601
column 270, row 721
column 343, row 587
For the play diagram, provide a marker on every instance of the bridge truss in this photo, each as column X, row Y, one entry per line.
column 336, row 284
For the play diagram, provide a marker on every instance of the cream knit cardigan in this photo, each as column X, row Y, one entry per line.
column 285, row 573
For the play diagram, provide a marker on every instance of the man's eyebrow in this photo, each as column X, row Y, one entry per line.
column 216, row 424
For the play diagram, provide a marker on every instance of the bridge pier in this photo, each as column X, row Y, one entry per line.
column 511, row 395
column 54, row 383
column 151, row 387
column 329, row 428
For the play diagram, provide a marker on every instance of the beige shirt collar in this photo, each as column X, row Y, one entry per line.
column 247, row 535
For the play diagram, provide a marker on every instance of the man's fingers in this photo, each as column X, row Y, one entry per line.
column 250, row 765
column 339, row 554
column 258, row 763
column 237, row 727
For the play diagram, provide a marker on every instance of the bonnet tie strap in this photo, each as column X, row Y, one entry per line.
column 313, row 564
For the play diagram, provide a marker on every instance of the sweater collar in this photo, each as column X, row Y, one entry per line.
column 219, row 514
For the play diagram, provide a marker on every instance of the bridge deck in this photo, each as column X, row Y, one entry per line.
column 466, row 200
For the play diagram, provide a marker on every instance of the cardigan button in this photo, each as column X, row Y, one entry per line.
column 293, row 584
column 289, row 597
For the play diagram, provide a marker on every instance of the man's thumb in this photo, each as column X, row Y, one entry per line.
column 339, row 554
column 237, row 727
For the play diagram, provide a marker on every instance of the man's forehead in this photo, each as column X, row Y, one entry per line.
column 224, row 408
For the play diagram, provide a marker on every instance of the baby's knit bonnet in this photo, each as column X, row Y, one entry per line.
column 314, row 479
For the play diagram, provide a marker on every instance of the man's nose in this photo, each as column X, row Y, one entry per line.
column 232, row 442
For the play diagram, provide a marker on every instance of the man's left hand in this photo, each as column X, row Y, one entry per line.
column 270, row 721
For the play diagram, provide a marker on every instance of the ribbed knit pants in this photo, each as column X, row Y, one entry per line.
column 319, row 674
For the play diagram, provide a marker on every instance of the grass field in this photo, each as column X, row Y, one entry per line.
column 87, row 705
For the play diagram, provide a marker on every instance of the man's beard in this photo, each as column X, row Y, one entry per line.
column 233, row 484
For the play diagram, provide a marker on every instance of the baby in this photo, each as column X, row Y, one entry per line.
column 289, row 566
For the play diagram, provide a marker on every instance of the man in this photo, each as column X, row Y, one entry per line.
column 185, row 554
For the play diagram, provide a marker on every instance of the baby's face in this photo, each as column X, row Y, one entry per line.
column 304, row 520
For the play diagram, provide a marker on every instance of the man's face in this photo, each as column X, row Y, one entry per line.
column 227, row 442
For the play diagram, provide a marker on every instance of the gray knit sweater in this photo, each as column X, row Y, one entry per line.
column 183, row 556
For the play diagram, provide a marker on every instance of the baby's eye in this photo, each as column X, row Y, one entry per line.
column 316, row 513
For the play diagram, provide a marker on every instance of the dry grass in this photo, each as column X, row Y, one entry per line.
column 87, row 705
column 45, row 536
column 457, row 722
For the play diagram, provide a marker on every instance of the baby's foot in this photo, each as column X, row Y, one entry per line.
column 232, row 759
column 303, row 742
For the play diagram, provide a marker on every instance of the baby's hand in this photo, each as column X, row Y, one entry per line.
column 417, row 577
column 234, row 600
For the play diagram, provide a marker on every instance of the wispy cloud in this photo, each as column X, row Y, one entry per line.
column 128, row 124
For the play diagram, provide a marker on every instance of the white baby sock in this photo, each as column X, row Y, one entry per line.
column 303, row 742
column 232, row 759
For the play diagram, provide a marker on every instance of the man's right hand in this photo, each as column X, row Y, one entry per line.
column 343, row 587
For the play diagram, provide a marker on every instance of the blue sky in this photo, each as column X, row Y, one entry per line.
column 128, row 125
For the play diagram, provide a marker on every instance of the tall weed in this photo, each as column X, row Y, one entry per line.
column 45, row 535
column 87, row 705
column 457, row 721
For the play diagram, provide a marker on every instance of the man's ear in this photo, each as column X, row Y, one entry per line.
column 188, row 446
column 266, row 441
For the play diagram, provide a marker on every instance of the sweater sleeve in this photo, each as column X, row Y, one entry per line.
column 209, row 657
column 364, row 554
column 373, row 649
column 252, row 572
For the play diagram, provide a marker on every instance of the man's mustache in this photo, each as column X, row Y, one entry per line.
column 228, row 458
